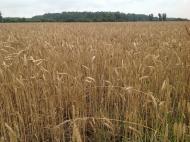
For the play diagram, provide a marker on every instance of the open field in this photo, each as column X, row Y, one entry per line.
column 99, row 82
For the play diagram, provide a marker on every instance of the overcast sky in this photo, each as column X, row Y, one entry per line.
column 29, row 8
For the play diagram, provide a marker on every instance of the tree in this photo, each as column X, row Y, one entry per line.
column 151, row 17
column 160, row 17
column 164, row 16
column 1, row 18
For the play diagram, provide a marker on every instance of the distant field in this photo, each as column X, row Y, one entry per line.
column 99, row 82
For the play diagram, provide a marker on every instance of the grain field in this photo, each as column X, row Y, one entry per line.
column 95, row 82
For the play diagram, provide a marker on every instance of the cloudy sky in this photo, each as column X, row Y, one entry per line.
column 29, row 8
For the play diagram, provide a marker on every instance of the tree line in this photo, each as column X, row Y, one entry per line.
column 91, row 17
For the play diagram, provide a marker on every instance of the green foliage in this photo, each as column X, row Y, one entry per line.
column 164, row 16
column 151, row 17
column 160, row 17
column 91, row 17
column 15, row 20
column 1, row 18
column 100, row 17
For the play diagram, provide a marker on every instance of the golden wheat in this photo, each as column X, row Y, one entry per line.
column 62, row 82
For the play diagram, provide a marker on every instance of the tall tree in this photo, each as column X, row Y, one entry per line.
column 151, row 17
column 1, row 18
column 160, row 16
column 164, row 16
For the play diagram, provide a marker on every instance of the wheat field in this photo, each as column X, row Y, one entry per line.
column 95, row 82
